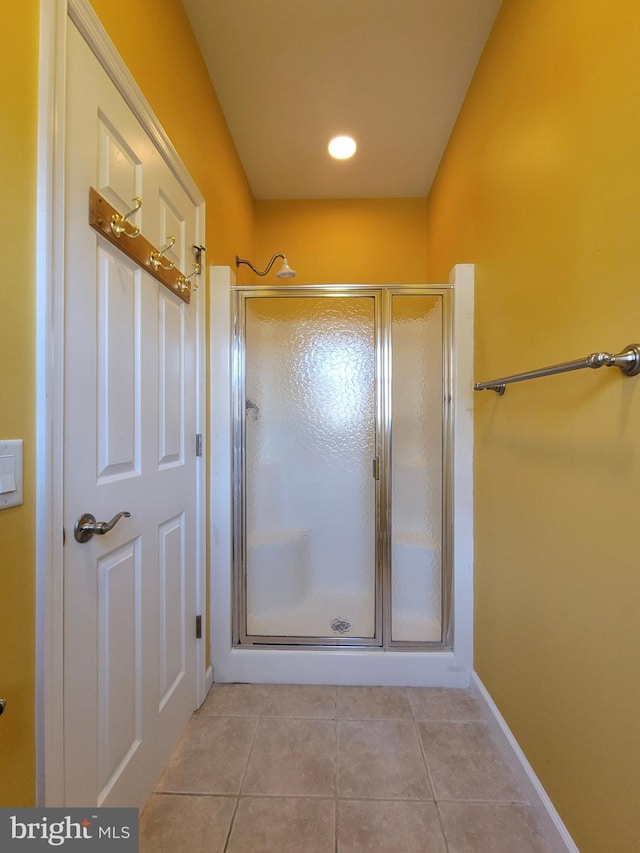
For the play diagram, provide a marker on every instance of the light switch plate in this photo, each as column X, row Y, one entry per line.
column 11, row 457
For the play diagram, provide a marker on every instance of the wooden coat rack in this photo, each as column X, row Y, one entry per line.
column 115, row 228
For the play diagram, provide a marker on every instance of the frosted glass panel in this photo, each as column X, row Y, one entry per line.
column 310, row 441
column 417, row 464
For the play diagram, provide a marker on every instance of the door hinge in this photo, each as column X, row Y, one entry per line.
column 198, row 627
column 199, row 444
column 376, row 467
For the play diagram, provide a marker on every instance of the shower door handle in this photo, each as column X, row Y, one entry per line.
column 252, row 407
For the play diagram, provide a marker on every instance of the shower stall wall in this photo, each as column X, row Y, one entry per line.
column 340, row 524
column 341, row 512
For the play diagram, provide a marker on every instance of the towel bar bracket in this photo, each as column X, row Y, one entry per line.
column 628, row 360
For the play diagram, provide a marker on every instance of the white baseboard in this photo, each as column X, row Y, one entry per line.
column 551, row 821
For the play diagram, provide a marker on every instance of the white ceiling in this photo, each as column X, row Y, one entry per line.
column 290, row 74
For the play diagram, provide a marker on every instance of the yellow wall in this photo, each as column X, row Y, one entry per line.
column 540, row 188
column 173, row 77
column 367, row 241
column 18, row 106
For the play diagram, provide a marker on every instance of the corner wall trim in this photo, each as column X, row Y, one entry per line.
column 523, row 771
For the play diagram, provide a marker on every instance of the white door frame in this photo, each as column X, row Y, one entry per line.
column 50, row 344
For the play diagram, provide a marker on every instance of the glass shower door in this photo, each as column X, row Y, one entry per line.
column 309, row 568
column 419, row 595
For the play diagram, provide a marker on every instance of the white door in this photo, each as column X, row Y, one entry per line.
column 129, row 445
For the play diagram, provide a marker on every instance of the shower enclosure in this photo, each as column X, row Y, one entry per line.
column 341, row 470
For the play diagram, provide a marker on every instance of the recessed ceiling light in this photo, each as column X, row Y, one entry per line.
column 342, row 147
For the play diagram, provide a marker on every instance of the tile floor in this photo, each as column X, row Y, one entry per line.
column 294, row 769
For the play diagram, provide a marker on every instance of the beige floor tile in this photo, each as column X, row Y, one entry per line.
column 373, row 826
column 185, row 824
column 373, row 703
column 444, row 704
column 293, row 758
column 294, row 700
column 234, row 700
column 382, row 759
column 465, row 764
column 281, row 825
column 211, row 756
column 492, row 828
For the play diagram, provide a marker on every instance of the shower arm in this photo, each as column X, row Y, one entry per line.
column 258, row 272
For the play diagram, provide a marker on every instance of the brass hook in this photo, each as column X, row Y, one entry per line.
column 156, row 258
column 183, row 280
column 118, row 222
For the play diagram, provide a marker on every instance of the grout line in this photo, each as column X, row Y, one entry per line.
column 411, row 708
column 243, row 777
column 431, row 784
column 381, row 799
column 336, row 800
column 424, row 759
column 328, row 718
column 336, row 797
column 250, row 796
column 264, row 694
column 442, row 829
column 193, row 794
column 479, row 801
column 251, row 748
column 231, row 823
column 359, row 798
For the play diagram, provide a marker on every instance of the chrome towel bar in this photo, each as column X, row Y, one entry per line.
column 628, row 361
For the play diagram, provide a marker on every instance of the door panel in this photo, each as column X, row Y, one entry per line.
column 171, row 381
column 119, row 170
column 172, row 224
column 173, row 578
column 118, row 368
column 130, row 603
column 119, row 667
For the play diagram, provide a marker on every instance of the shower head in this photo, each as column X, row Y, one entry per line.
column 285, row 270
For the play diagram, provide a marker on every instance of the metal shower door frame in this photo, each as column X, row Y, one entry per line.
column 382, row 296
column 446, row 600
